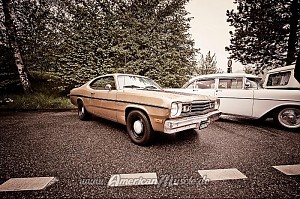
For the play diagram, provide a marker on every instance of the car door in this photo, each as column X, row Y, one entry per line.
column 103, row 97
column 234, row 97
column 202, row 87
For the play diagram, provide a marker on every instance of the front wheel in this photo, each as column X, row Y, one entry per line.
column 82, row 112
column 139, row 128
column 288, row 117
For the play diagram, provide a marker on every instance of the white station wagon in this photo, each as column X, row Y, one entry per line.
column 241, row 94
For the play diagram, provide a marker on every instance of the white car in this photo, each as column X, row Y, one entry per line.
column 241, row 94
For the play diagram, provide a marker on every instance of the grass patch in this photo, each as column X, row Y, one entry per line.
column 36, row 101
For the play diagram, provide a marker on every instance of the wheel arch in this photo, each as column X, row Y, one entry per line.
column 271, row 112
column 138, row 108
column 79, row 100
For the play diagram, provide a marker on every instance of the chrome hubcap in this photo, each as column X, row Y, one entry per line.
column 81, row 111
column 138, row 127
column 290, row 117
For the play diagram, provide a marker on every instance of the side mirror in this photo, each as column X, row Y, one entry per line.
column 247, row 85
column 108, row 87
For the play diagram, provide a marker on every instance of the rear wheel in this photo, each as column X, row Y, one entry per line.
column 139, row 128
column 82, row 112
column 288, row 117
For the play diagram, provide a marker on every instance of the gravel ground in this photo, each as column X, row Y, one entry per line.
column 59, row 144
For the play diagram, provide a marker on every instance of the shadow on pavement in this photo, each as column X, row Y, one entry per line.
column 176, row 138
column 268, row 123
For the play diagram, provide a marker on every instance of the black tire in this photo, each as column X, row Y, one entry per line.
column 82, row 112
column 139, row 128
column 288, row 117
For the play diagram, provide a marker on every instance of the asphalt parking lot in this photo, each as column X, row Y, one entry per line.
column 84, row 157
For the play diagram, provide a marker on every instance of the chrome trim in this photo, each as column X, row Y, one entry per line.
column 192, row 122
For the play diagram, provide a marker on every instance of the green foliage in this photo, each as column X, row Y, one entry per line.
column 36, row 101
column 81, row 39
column 139, row 37
column 265, row 34
column 207, row 65
column 248, row 69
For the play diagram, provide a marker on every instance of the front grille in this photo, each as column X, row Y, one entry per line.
column 200, row 106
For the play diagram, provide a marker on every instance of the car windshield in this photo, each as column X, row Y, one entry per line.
column 255, row 82
column 126, row 81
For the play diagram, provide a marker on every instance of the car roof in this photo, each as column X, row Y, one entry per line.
column 223, row 75
column 121, row 74
column 289, row 67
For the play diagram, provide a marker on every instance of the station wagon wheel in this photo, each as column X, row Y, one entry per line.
column 82, row 112
column 139, row 128
column 288, row 117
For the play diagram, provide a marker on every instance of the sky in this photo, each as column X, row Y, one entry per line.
column 210, row 31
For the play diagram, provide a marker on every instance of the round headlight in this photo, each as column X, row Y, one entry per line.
column 176, row 109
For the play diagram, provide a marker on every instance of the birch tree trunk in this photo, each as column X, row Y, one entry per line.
column 12, row 37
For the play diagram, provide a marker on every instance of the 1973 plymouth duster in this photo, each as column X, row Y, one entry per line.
column 241, row 94
column 141, row 105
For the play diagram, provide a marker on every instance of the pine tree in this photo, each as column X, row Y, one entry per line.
column 137, row 36
column 207, row 65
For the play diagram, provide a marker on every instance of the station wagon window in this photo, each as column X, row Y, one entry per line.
column 254, row 82
column 279, row 79
column 191, row 85
column 205, row 84
column 231, row 83
column 201, row 84
column 99, row 84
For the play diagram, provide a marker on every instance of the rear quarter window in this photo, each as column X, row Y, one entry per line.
column 279, row 79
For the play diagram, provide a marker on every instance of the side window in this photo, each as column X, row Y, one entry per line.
column 254, row 82
column 191, row 85
column 231, row 83
column 205, row 84
column 279, row 79
column 99, row 84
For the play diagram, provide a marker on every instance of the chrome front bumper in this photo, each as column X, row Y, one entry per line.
column 192, row 122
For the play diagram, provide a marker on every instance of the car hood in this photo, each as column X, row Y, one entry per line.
column 160, row 97
column 173, row 95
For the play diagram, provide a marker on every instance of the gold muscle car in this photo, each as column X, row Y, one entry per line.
column 143, row 106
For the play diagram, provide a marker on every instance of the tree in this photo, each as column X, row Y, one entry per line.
column 294, row 22
column 297, row 68
column 134, row 36
column 207, row 65
column 266, row 32
column 12, row 38
column 81, row 39
column 248, row 69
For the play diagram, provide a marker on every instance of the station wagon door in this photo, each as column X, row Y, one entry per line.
column 103, row 100
column 234, row 99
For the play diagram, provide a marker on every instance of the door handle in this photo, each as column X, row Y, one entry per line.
column 218, row 90
column 92, row 93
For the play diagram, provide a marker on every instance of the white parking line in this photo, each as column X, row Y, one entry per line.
column 222, row 174
column 289, row 169
column 132, row 179
column 26, row 184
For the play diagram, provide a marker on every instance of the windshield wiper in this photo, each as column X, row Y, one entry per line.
column 150, row 87
column 131, row 86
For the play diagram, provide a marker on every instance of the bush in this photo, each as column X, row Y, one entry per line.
column 36, row 101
